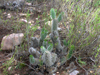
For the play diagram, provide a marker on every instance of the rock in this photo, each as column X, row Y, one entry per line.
column 12, row 4
column 75, row 72
column 9, row 41
column 19, row 3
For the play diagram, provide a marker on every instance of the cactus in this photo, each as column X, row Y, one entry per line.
column 43, row 35
column 33, row 61
column 47, row 58
column 60, row 17
column 54, row 25
column 45, row 43
column 34, row 52
column 52, row 13
column 55, row 39
column 54, row 57
column 54, row 33
column 50, row 47
column 54, row 19
column 63, row 60
column 34, row 42
column 43, row 49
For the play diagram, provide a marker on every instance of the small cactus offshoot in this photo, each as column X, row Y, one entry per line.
column 50, row 47
column 43, row 49
column 31, row 59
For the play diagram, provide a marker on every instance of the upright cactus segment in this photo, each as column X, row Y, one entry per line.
column 54, row 19
column 60, row 17
column 52, row 13
column 43, row 35
column 54, row 25
column 54, row 33
column 47, row 58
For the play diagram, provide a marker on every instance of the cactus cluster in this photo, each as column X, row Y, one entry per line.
column 47, row 54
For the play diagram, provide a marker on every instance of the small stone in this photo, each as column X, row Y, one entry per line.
column 75, row 72
column 9, row 41
column 9, row 68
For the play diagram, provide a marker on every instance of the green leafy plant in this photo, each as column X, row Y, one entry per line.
column 20, row 65
column 72, row 48
column 82, row 62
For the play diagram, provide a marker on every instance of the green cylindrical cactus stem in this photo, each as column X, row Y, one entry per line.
column 47, row 58
column 52, row 13
column 54, row 25
column 43, row 35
